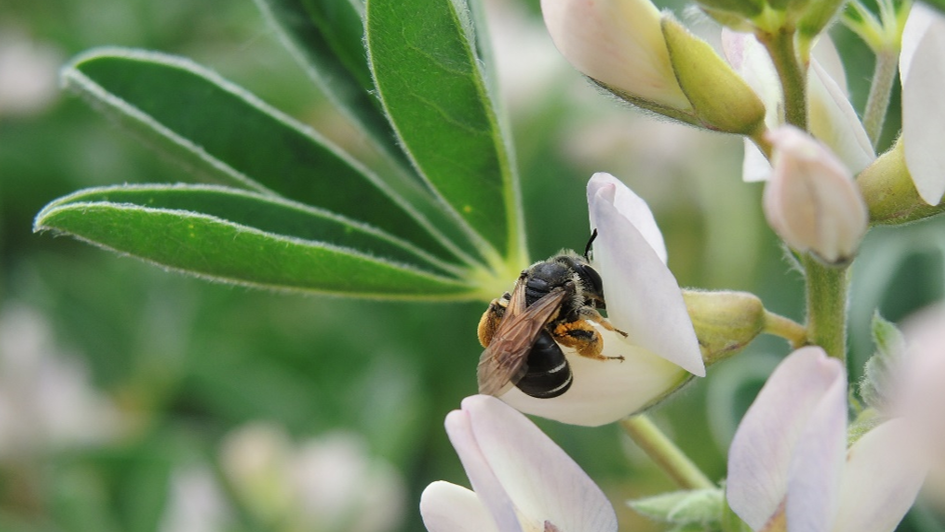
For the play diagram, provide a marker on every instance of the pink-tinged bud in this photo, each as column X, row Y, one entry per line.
column 811, row 201
column 618, row 44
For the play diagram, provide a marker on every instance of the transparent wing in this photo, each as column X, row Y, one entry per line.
column 502, row 364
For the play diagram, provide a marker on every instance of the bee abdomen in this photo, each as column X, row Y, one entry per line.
column 548, row 374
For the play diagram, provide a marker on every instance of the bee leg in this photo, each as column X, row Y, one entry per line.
column 589, row 313
column 491, row 318
column 583, row 337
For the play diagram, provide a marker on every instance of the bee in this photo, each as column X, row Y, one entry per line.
column 551, row 306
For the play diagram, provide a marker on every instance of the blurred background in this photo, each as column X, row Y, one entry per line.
column 133, row 399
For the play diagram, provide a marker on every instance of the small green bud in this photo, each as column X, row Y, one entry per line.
column 719, row 96
column 816, row 17
column 878, row 378
column 890, row 193
column 725, row 322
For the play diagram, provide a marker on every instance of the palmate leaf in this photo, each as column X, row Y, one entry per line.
column 428, row 76
column 220, row 130
column 246, row 238
column 326, row 38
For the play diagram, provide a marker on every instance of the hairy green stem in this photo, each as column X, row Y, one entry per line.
column 826, row 306
column 793, row 74
column 884, row 74
column 665, row 453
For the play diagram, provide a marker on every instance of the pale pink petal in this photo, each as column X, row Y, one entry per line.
column 604, row 391
column 762, row 449
column 884, row 471
column 446, row 507
column 643, row 298
column 817, row 464
column 484, row 482
column 833, row 121
column 923, row 114
column 632, row 207
column 545, row 483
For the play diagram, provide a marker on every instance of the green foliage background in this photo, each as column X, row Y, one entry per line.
column 192, row 360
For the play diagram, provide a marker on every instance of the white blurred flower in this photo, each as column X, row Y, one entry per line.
column 29, row 73
column 330, row 484
column 196, row 503
column 922, row 74
column 811, row 201
column 789, row 466
column 522, row 481
column 618, row 43
column 660, row 351
column 46, row 400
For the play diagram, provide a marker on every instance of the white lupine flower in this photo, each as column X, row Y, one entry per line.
column 660, row 351
column 790, row 469
column 46, row 400
column 619, row 44
column 330, row 483
column 922, row 74
column 811, row 201
column 521, row 480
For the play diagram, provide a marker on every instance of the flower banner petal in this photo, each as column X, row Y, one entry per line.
column 643, row 297
column 884, row 471
column 762, row 449
column 631, row 207
column 446, row 507
column 545, row 483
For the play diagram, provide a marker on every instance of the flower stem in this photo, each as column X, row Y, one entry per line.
column 884, row 74
column 786, row 328
column 665, row 453
column 793, row 74
column 826, row 306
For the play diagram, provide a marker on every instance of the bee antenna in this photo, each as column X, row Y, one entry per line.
column 587, row 248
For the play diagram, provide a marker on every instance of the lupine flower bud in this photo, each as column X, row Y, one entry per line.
column 812, row 202
column 619, row 45
column 720, row 98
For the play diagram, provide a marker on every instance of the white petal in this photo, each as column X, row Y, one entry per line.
column 643, row 298
column 883, row 474
column 752, row 62
column 483, row 479
column 604, row 391
column 755, row 166
column 632, row 207
column 923, row 115
column 826, row 54
column 545, row 483
column 762, row 449
column 834, row 121
column 446, row 507
column 617, row 42
column 817, row 464
column 920, row 21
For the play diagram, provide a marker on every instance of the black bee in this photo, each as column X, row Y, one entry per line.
column 550, row 306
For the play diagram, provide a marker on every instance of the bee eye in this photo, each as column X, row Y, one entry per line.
column 591, row 279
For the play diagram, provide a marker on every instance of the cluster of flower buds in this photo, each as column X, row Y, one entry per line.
column 823, row 193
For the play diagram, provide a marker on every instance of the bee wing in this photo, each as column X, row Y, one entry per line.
column 502, row 364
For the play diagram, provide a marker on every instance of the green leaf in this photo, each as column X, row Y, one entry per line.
column 223, row 132
column 247, row 238
column 428, row 76
column 879, row 371
column 326, row 37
